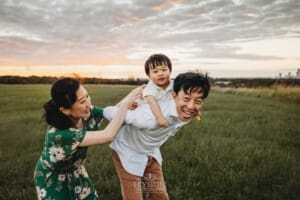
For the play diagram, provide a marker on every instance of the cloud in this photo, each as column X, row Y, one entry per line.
column 93, row 31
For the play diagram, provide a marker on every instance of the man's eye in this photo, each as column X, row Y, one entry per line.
column 199, row 101
column 186, row 98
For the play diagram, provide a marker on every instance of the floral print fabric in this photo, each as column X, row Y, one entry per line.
column 59, row 172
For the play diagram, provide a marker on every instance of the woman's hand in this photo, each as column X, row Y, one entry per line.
column 133, row 95
column 110, row 131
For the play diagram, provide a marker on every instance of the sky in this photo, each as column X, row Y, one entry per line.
column 113, row 39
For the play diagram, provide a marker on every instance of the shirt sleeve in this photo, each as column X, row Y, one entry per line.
column 141, row 117
column 109, row 112
column 150, row 90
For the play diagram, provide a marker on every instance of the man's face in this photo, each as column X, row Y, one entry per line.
column 188, row 105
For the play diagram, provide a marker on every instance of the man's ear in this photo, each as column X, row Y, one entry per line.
column 65, row 111
column 174, row 95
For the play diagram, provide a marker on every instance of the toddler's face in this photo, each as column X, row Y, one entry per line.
column 160, row 75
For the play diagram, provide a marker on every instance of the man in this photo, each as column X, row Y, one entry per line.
column 136, row 153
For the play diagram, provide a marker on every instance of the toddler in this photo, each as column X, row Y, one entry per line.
column 158, row 68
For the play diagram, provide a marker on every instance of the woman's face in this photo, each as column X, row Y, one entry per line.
column 81, row 107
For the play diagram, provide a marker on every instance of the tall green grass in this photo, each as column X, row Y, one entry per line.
column 278, row 92
column 244, row 147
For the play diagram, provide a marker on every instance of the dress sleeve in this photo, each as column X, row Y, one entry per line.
column 94, row 121
column 97, row 111
column 62, row 143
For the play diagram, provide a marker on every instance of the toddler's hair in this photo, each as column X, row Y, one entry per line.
column 156, row 60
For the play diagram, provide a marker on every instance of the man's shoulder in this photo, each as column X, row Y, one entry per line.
column 167, row 106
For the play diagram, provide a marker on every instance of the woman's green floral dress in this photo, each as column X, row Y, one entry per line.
column 59, row 172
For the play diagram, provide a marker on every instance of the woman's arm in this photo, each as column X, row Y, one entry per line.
column 108, row 134
column 141, row 118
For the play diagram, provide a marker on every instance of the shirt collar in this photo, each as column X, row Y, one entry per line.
column 169, row 88
column 173, row 110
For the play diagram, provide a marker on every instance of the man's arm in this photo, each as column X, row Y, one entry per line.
column 141, row 117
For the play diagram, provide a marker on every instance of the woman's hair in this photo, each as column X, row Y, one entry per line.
column 63, row 94
column 156, row 60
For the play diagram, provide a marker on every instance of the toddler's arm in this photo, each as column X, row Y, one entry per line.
column 155, row 108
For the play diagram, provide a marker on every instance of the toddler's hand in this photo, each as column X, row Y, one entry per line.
column 198, row 116
column 162, row 122
column 134, row 94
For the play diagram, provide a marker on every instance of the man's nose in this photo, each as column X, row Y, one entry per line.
column 191, row 105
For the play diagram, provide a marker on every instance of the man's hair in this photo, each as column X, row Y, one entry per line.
column 192, row 82
column 156, row 60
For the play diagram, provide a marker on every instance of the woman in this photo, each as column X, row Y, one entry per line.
column 73, row 126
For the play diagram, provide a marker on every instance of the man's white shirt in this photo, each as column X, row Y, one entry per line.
column 141, row 135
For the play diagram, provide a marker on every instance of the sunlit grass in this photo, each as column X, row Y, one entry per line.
column 244, row 147
column 274, row 92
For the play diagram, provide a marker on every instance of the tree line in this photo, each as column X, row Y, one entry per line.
column 222, row 82
column 50, row 79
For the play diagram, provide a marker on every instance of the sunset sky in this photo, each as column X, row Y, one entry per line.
column 112, row 39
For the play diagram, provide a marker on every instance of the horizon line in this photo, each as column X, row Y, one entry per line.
column 142, row 78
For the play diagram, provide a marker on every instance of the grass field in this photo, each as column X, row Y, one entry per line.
column 245, row 147
column 278, row 92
